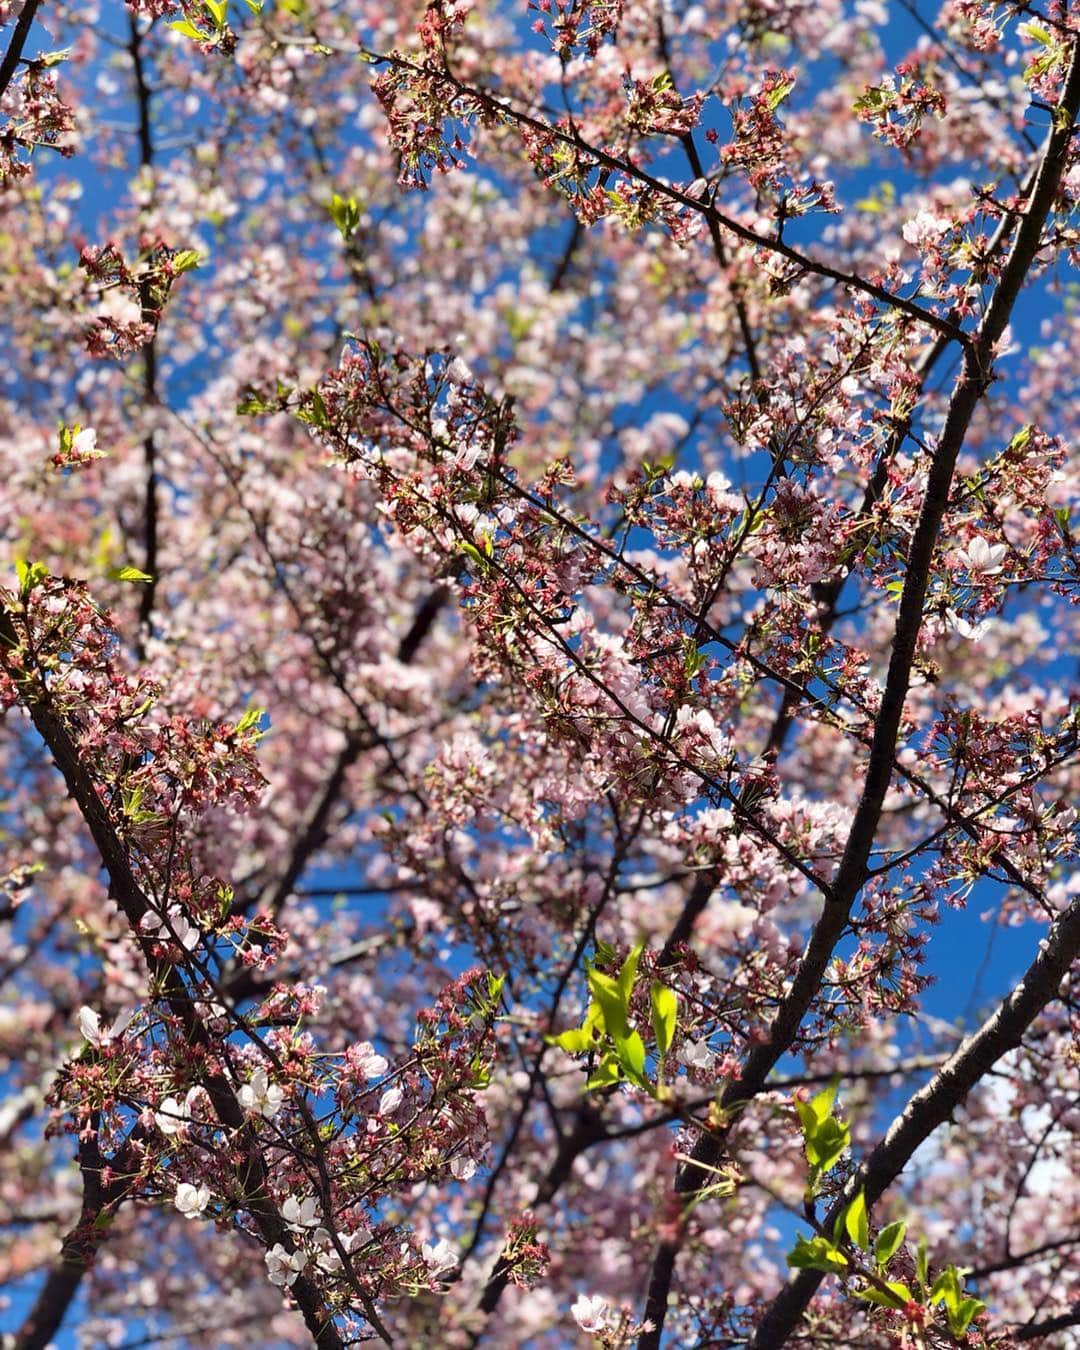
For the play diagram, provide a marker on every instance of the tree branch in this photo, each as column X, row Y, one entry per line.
column 932, row 1105
column 14, row 52
column 971, row 386
column 125, row 890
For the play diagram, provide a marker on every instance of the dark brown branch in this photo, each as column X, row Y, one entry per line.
column 971, row 386
column 125, row 890
column 80, row 1246
column 1033, row 1330
column 562, row 267
column 496, row 106
column 148, row 593
column 1019, row 1259
column 14, row 52
column 932, row 1105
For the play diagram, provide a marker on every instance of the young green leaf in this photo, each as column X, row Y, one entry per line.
column 894, row 1295
column 606, row 1074
column 946, row 1288
column 817, row 1253
column 628, row 971
column 922, row 1268
column 665, row 1009
column 822, row 1103
column 575, row 1041
column 608, row 993
column 857, row 1223
column 960, row 1315
column 30, row 575
column 188, row 30
column 888, row 1242
column 826, row 1146
column 631, row 1053
column 128, row 573
column 250, row 720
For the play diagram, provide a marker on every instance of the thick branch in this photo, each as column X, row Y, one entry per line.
column 500, row 107
column 971, row 386
column 932, row 1105
column 14, row 52
column 79, row 1248
column 1033, row 1330
column 148, row 594
column 128, row 894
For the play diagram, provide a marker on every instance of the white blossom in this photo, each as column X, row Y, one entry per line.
column 590, row 1312
column 191, row 1200
column 260, row 1097
column 926, row 229
column 300, row 1214
column 283, row 1267
column 328, row 1259
column 973, row 632
column 96, row 1034
column 170, row 1117
column 370, row 1064
column 696, row 1055
column 390, row 1101
column 982, row 558
column 178, row 929
column 85, row 443
column 440, row 1256
column 458, row 372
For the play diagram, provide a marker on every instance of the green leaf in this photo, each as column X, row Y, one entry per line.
column 575, row 1041
column 609, row 995
column 345, row 213
column 579, row 1039
column 631, row 1052
column 471, row 551
column 825, row 1147
column 776, row 96
column 186, row 260
column 128, row 573
column 251, row 404
column 946, row 1288
column 217, row 10
column 188, row 30
column 250, row 720
column 628, row 972
column 30, row 575
column 895, row 1295
column 816, row 1253
column 922, row 1269
column 314, row 413
column 607, row 1074
column 1036, row 32
column 960, row 1316
column 857, row 1223
column 888, row 1242
column 665, row 1011
column 821, row 1106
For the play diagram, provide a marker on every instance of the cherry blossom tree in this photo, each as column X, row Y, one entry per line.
column 540, row 602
